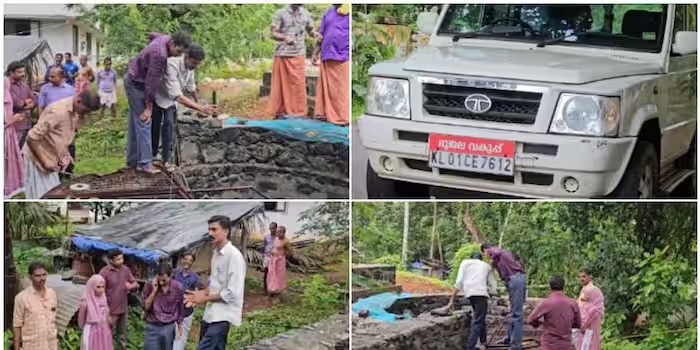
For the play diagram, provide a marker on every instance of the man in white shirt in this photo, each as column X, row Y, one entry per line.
column 177, row 83
column 224, row 295
column 477, row 282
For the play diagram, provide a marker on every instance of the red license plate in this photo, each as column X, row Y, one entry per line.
column 471, row 154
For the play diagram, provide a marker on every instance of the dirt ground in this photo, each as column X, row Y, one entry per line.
column 417, row 285
column 238, row 98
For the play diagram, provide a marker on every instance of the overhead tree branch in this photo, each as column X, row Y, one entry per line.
column 470, row 228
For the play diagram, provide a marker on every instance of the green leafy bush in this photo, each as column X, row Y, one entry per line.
column 393, row 259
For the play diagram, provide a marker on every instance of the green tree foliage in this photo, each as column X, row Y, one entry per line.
column 328, row 219
column 639, row 253
column 28, row 220
column 228, row 32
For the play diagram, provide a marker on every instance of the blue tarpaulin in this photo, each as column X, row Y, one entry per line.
column 377, row 304
column 83, row 243
column 299, row 128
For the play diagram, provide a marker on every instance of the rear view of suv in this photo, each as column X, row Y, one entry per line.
column 541, row 101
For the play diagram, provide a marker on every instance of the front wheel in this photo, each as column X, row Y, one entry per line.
column 641, row 180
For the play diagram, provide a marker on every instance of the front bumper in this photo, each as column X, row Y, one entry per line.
column 542, row 161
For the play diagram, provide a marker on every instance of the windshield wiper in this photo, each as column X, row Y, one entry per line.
column 560, row 39
column 459, row 36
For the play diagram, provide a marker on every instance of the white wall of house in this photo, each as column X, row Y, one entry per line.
column 289, row 217
column 53, row 23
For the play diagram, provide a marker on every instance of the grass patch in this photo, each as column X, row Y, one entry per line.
column 425, row 279
column 101, row 144
column 358, row 107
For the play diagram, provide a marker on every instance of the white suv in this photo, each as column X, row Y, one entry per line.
column 542, row 101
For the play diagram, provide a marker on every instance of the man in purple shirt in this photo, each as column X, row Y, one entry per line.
column 163, row 303
column 55, row 90
column 333, row 52
column 513, row 274
column 142, row 81
column 119, row 282
column 558, row 315
column 23, row 99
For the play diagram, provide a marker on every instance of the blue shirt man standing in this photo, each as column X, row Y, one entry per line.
column 189, row 281
column 70, row 68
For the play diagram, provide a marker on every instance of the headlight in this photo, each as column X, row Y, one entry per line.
column 586, row 115
column 388, row 98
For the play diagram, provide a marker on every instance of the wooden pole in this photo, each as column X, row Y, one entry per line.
column 503, row 228
column 432, row 237
column 404, row 247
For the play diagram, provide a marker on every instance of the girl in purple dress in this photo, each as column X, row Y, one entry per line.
column 93, row 316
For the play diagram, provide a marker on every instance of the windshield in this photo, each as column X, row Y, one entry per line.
column 622, row 26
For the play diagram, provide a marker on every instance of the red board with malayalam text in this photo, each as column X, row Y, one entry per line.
column 471, row 145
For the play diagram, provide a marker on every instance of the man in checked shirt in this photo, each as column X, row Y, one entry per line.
column 34, row 317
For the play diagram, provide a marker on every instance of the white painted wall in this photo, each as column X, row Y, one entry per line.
column 48, row 25
column 290, row 217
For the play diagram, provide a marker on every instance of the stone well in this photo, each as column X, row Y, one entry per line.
column 424, row 331
column 330, row 334
column 277, row 166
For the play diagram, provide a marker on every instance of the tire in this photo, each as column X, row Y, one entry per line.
column 380, row 188
column 641, row 180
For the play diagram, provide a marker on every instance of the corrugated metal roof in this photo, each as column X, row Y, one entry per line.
column 169, row 227
column 68, row 295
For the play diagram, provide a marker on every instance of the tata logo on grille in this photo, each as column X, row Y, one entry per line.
column 477, row 103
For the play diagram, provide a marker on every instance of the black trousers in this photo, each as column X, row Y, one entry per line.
column 477, row 330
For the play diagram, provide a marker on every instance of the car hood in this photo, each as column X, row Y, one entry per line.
column 534, row 64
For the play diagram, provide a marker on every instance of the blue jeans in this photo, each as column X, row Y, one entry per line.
column 164, row 117
column 212, row 336
column 159, row 337
column 477, row 330
column 517, row 288
column 138, row 143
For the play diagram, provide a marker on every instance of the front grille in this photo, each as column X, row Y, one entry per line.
column 508, row 106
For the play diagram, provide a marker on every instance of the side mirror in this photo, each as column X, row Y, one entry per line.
column 426, row 22
column 686, row 43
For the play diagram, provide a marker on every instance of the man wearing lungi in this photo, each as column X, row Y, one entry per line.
column 333, row 88
column 288, row 90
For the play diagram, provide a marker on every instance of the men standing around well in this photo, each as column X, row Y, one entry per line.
column 34, row 318
column 70, row 68
column 224, row 296
column 163, row 306
column 23, row 100
column 591, row 302
column 288, row 88
column 46, row 150
column 178, row 82
column 190, row 281
column 119, row 282
column 558, row 315
column 55, row 90
column 333, row 87
column 107, row 88
column 476, row 281
column 143, row 80
column 513, row 274
column 58, row 62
